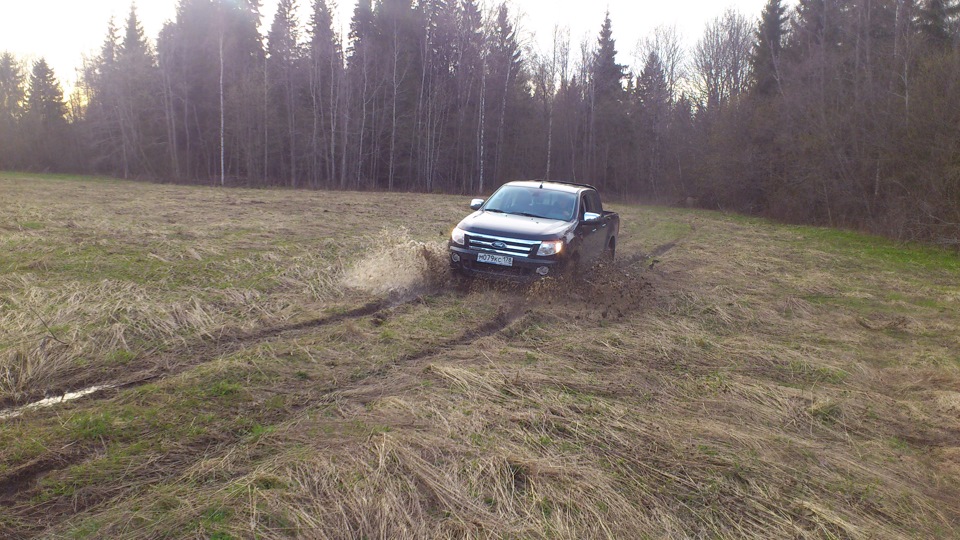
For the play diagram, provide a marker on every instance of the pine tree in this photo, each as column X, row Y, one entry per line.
column 45, row 118
column 102, row 123
column 359, row 64
column 469, row 76
column 12, row 95
column 45, row 104
column 653, row 95
column 11, row 88
column 361, row 28
column 935, row 22
column 283, row 56
column 608, row 75
column 607, row 142
column 326, row 64
column 506, row 82
column 652, row 88
column 137, row 101
column 765, row 60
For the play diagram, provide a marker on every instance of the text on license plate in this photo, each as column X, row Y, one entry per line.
column 502, row 260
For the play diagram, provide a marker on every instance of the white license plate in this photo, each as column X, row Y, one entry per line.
column 502, row 260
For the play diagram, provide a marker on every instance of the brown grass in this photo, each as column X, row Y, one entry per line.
column 757, row 382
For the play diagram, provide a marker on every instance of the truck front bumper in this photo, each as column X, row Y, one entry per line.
column 521, row 268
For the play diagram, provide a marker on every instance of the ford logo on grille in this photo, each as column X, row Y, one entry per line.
column 499, row 245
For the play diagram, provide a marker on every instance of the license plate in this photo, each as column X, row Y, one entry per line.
column 489, row 258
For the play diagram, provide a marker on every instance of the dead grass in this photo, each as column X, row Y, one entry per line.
column 758, row 382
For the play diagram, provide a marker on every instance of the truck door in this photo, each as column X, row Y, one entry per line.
column 594, row 233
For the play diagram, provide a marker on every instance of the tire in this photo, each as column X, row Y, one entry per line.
column 610, row 253
column 573, row 266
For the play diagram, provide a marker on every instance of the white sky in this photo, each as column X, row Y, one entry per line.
column 63, row 31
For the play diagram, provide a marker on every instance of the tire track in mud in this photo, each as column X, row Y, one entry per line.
column 26, row 477
column 22, row 484
column 14, row 481
column 166, row 364
column 642, row 257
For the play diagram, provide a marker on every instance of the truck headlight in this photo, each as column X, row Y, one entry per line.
column 550, row 248
column 457, row 236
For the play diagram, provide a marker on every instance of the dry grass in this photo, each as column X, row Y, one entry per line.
column 759, row 382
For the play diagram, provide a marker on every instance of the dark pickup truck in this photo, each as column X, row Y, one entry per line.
column 529, row 230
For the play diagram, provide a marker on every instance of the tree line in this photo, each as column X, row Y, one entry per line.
column 837, row 112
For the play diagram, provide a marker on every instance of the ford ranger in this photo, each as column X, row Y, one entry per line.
column 533, row 229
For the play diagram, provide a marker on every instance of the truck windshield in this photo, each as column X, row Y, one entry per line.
column 533, row 202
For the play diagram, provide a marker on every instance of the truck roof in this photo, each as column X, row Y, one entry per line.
column 569, row 187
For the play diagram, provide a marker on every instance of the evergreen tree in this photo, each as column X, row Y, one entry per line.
column 326, row 65
column 936, row 18
column 12, row 92
column 816, row 24
column 608, row 141
column 765, row 60
column 137, row 101
column 608, row 75
column 45, row 119
column 283, row 57
column 360, row 89
column 469, row 69
column 361, row 28
column 45, row 104
column 135, row 47
column 653, row 95
column 506, row 87
column 102, row 120
column 652, row 88
column 12, row 96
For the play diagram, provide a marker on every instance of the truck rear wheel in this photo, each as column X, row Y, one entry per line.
column 610, row 253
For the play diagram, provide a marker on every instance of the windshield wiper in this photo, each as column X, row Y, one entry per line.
column 527, row 214
column 497, row 210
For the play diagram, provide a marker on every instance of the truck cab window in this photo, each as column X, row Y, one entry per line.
column 590, row 202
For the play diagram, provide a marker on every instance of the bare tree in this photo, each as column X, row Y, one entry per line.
column 667, row 43
column 721, row 59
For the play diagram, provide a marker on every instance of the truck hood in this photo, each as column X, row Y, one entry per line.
column 513, row 226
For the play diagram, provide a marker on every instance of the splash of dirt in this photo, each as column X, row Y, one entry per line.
column 401, row 268
column 605, row 291
column 397, row 265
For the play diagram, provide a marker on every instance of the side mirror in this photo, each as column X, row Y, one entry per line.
column 589, row 217
column 476, row 204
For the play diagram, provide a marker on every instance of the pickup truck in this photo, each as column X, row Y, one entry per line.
column 533, row 229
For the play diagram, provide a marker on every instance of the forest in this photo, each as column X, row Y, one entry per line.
column 843, row 113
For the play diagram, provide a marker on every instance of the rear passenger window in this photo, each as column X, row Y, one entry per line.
column 591, row 203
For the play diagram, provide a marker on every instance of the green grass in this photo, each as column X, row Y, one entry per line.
column 880, row 253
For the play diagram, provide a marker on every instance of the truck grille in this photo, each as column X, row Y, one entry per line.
column 502, row 246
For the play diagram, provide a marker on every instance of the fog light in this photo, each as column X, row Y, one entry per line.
column 455, row 258
column 543, row 270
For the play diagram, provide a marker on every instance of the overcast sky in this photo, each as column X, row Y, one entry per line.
column 63, row 31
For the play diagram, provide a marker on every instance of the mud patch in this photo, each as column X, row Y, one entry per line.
column 398, row 266
column 607, row 291
column 51, row 401
column 25, row 477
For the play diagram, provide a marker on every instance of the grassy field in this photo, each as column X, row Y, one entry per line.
column 275, row 364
